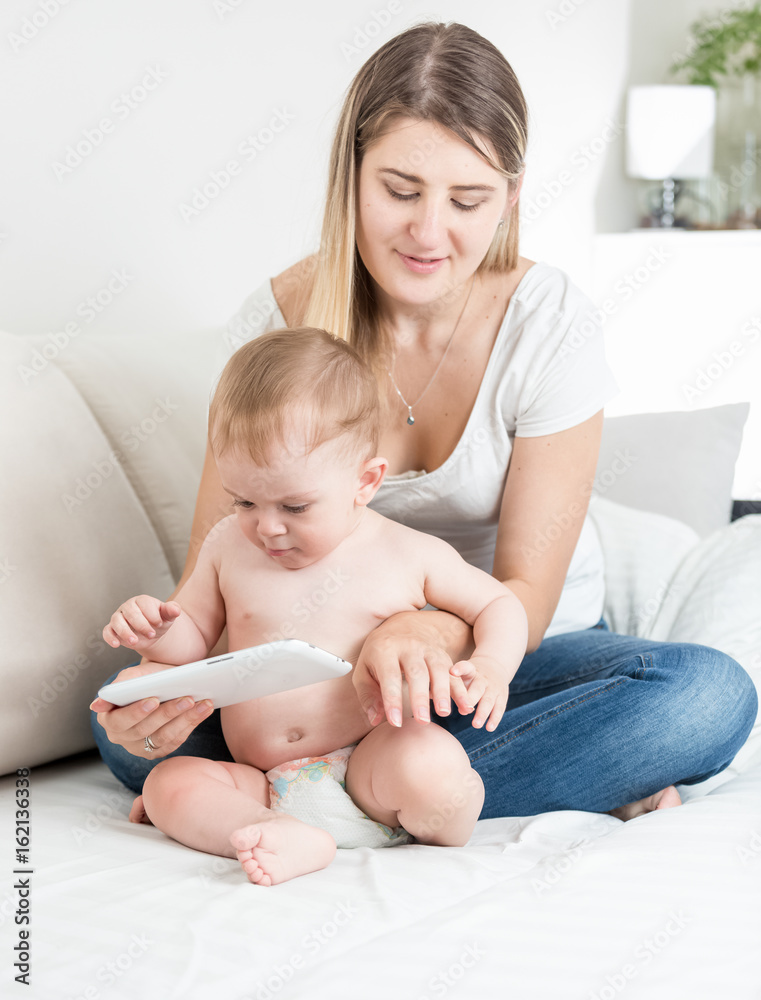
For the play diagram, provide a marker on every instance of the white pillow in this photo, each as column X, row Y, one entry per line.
column 715, row 600
column 642, row 552
column 678, row 464
column 715, row 594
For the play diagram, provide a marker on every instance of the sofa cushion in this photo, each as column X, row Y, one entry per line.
column 74, row 542
column 678, row 464
column 150, row 397
column 641, row 551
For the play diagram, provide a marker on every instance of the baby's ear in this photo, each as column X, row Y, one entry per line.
column 371, row 474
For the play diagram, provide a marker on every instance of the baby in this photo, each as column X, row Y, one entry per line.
column 294, row 426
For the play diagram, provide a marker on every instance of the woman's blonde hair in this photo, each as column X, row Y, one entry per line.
column 447, row 74
column 305, row 380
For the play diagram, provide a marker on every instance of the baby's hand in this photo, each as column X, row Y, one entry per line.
column 140, row 621
column 487, row 687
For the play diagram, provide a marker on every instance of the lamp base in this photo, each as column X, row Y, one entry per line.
column 663, row 212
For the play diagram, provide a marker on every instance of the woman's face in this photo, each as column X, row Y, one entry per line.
column 428, row 208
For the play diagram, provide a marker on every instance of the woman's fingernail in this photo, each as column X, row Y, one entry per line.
column 395, row 717
column 185, row 704
column 203, row 707
column 442, row 707
column 148, row 706
column 424, row 715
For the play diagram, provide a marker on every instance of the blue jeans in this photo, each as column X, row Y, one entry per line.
column 594, row 720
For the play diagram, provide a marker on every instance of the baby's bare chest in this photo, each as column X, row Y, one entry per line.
column 334, row 604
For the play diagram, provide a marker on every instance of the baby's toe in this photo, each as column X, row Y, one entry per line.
column 256, row 874
column 246, row 838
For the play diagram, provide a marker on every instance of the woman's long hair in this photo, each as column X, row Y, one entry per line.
column 442, row 73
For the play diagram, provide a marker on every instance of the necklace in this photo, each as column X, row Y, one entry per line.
column 410, row 418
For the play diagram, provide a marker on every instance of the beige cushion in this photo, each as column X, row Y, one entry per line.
column 102, row 446
column 150, row 397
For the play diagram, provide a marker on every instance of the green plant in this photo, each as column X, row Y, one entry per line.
column 728, row 45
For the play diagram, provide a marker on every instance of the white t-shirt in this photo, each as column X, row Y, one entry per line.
column 546, row 372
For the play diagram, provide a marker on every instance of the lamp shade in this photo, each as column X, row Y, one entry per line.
column 670, row 132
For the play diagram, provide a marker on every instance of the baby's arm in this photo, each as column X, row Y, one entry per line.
column 500, row 627
column 178, row 631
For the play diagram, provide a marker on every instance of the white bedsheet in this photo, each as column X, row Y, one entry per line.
column 562, row 906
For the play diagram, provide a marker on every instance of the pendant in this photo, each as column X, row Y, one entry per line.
column 410, row 419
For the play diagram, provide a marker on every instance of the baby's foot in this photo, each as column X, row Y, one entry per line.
column 665, row 799
column 280, row 848
column 137, row 813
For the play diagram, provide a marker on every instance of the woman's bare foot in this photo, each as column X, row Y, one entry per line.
column 137, row 813
column 665, row 799
column 281, row 848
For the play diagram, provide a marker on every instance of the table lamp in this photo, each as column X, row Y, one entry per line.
column 670, row 138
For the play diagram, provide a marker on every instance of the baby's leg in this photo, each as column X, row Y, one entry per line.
column 220, row 808
column 418, row 777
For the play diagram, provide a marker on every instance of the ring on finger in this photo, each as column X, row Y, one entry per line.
column 149, row 745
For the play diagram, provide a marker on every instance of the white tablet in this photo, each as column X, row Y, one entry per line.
column 234, row 677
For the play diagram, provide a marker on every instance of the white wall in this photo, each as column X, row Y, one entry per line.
column 220, row 71
column 667, row 330
column 222, row 76
column 682, row 315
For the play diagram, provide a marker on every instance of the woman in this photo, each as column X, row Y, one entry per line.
column 495, row 411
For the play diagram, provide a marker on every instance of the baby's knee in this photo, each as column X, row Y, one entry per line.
column 444, row 791
column 166, row 775
column 433, row 763
column 426, row 743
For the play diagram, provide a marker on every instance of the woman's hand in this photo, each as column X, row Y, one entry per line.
column 412, row 646
column 488, row 687
column 167, row 723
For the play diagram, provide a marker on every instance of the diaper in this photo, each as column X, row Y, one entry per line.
column 313, row 789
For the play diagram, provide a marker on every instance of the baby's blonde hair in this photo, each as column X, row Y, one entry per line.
column 304, row 379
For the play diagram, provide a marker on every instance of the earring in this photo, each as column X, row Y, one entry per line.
column 501, row 223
